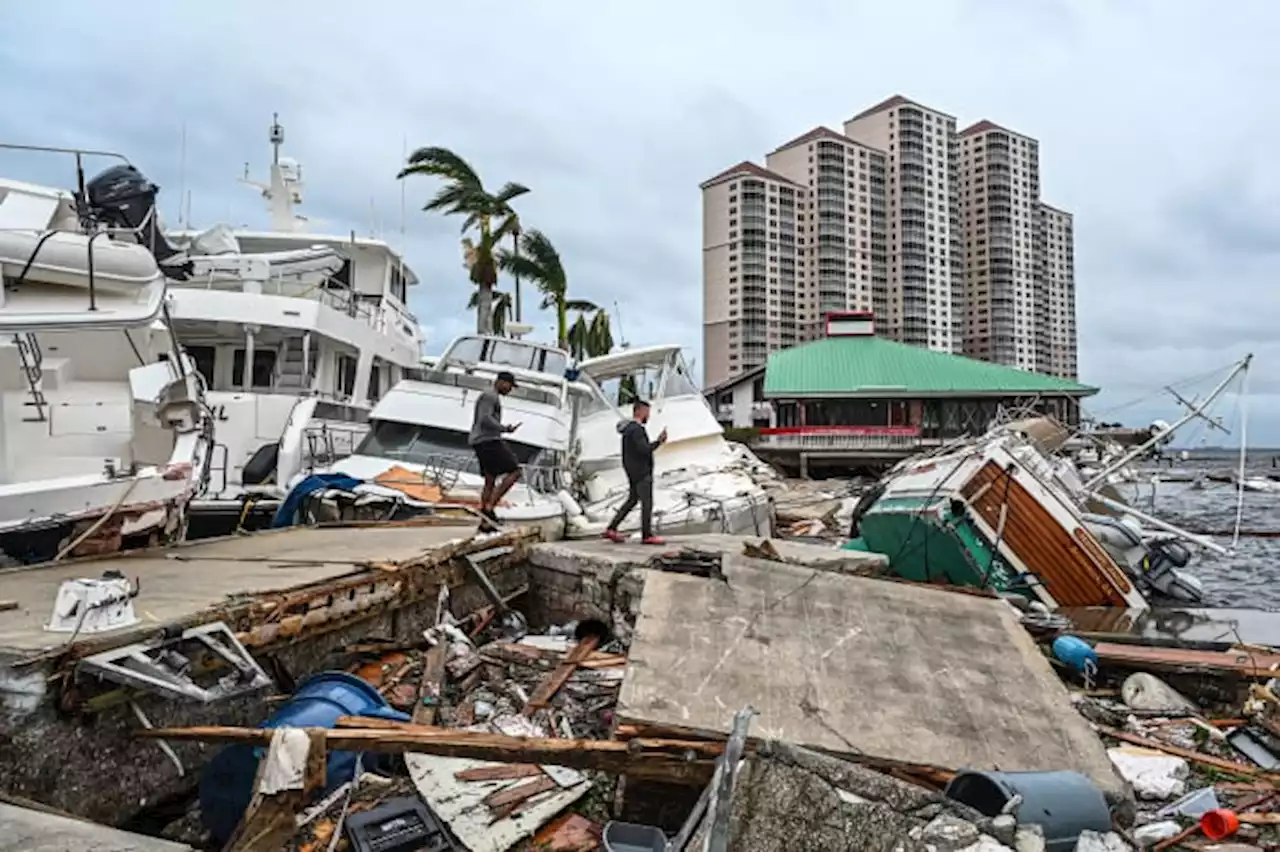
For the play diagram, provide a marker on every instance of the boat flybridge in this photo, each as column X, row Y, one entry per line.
column 297, row 336
column 702, row 483
column 416, row 458
column 104, row 433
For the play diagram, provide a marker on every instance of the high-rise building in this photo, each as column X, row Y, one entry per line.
column 753, row 292
column 1000, row 196
column 941, row 234
column 1057, row 262
column 926, row 274
column 842, row 230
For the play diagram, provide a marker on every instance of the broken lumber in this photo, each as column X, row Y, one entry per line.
column 1245, row 662
column 520, row 792
column 431, row 688
column 660, row 760
column 549, row 687
column 502, row 772
column 1188, row 754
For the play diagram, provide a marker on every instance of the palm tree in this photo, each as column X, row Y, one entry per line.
column 501, row 309
column 488, row 214
column 590, row 338
column 540, row 263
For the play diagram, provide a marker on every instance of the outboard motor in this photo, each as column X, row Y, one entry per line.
column 122, row 197
column 1164, row 577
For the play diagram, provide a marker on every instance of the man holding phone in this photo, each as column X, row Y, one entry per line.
column 495, row 456
column 637, row 461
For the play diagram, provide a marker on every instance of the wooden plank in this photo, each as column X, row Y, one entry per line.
column 1188, row 754
column 520, row 792
column 1247, row 663
column 548, row 688
column 504, row 772
column 663, row 760
column 431, row 689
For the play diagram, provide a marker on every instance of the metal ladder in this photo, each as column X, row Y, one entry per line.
column 32, row 358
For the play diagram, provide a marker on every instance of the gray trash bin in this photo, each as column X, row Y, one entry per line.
column 1062, row 803
column 630, row 837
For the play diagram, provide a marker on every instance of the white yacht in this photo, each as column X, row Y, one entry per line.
column 104, row 434
column 297, row 336
column 416, row 457
column 702, row 483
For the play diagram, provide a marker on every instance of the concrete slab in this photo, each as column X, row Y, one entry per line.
column 605, row 555
column 28, row 830
column 854, row 665
column 181, row 581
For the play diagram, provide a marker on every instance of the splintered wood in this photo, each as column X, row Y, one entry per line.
column 548, row 688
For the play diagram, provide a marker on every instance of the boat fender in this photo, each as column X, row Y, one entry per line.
column 571, row 506
column 1076, row 653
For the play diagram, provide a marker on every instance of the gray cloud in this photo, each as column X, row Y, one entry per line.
column 1152, row 117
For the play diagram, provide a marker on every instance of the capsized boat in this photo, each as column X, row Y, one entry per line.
column 702, row 483
column 1010, row 512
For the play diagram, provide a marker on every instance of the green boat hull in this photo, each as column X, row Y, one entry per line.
column 927, row 543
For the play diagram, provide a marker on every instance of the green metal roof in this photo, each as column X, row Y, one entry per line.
column 869, row 366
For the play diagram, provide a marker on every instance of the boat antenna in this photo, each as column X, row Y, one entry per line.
column 1243, row 400
column 622, row 337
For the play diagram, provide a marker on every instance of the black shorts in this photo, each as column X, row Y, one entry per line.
column 496, row 458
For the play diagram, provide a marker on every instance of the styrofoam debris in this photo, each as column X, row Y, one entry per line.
column 1154, row 775
column 1142, row 691
column 1154, row 832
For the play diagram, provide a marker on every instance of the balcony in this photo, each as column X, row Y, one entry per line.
column 837, row 439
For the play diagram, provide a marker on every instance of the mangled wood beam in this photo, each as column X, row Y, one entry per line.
column 1194, row 756
column 922, row 774
column 548, row 688
column 660, row 760
column 1246, row 662
column 431, row 688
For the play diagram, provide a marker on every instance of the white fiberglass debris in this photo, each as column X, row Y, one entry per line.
column 1154, row 775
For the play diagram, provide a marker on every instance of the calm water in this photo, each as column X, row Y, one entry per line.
column 1250, row 575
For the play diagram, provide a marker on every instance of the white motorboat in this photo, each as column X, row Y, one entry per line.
column 702, row 483
column 296, row 335
column 104, row 433
column 416, row 458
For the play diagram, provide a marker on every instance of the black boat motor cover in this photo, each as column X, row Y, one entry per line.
column 122, row 197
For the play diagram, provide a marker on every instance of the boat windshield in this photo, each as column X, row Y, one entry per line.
column 427, row 445
column 509, row 353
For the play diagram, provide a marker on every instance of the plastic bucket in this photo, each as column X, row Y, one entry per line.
column 1219, row 823
column 1062, row 803
column 630, row 837
column 226, row 784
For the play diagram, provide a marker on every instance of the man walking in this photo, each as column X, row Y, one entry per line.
column 495, row 456
column 637, row 461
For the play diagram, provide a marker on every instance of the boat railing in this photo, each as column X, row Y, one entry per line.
column 327, row 443
column 446, row 469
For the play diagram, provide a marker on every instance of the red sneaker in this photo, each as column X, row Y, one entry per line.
column 654, row 539
column 615, row 536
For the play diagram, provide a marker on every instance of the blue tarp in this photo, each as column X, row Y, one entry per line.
column 287, row 514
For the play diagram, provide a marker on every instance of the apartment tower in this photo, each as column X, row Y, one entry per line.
column 754, row 297
column 942, row 234
column 925, row 297
column 1056, row 260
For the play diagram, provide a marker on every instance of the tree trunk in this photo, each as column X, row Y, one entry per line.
column 562, row 325
column 515, row 245
column 484, row 309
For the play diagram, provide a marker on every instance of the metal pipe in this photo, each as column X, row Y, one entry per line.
column 93, row 295
column 1182, row 421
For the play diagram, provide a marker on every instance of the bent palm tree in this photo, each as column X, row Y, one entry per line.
column 590, row 338
column 488, row 214
column 540, row 263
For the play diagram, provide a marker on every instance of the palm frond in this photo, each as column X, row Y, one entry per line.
column 442, row 163
column 580, row 305
column 454, row 198
column 509, row 192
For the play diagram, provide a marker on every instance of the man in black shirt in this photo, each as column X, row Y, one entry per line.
column 637, row 461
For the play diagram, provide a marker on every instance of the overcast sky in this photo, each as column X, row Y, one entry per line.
column 1155, row 117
